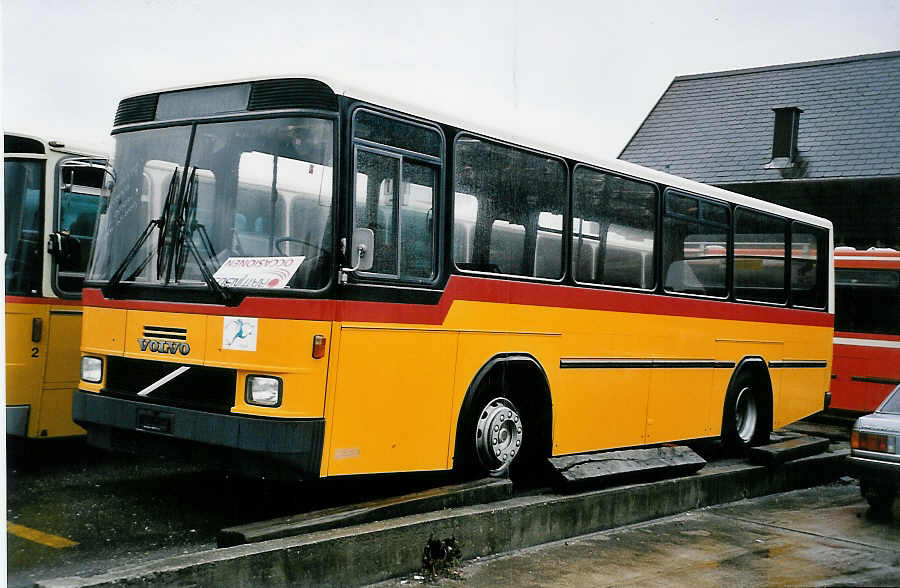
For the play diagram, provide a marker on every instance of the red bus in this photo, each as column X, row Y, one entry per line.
column 866, row 327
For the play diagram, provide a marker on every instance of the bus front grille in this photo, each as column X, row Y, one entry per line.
column 199, row 387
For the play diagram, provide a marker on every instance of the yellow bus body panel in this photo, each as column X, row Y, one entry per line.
column 391, row 393
column 42, row 375
column 284, row 349
column 25, row 359
column 392, row 399
column 104, row 332
column 63, row 341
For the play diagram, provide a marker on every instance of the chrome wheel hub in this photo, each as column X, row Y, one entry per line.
column 745, row 415
column 498, row 435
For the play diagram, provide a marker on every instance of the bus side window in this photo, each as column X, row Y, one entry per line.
column 809, row 266
column 759, row 257
column 79, row 201
column 396, row 194
column 613, row 230
column 695, row 245
column 513, row 191
column 22, row 182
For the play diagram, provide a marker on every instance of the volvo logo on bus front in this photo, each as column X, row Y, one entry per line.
column 171, row 347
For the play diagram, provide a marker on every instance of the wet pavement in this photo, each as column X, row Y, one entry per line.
column 819, row 536
column 74, row 510
column 81, row 511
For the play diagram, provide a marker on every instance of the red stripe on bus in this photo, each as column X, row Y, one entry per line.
column 466, row 288
column 43, row 300
column 868, row 263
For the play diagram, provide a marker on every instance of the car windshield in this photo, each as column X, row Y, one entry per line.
column 253, row 198
column 892, row 403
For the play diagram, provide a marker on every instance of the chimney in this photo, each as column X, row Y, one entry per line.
column 784, row 140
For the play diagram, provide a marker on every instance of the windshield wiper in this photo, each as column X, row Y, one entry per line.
column 160, row 223
column 187, row 225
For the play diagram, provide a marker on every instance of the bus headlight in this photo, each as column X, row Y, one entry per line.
column 263, row 390
column 92, row 369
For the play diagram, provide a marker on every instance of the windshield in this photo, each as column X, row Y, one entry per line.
column 892, row 403
column 22, row 183
column 253, row 198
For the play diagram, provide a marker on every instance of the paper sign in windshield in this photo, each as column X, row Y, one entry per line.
column 258, row 272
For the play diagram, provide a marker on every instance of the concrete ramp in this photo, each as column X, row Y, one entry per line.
column 788, row 450
column 435, row 499
column 626, row 466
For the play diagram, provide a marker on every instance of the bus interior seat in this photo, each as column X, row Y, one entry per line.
column 548, row 255
column 463, row 235
column 507, row 246
column 240, row 222
column 680, row 277
column 586, row 270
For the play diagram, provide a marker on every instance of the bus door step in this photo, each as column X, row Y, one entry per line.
column 574, row 472
column 791, row 449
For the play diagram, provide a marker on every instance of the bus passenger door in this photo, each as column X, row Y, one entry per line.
column 392, row 400
column 394, row 383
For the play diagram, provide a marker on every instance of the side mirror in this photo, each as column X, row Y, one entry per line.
column 64, row 249
column 361, row 256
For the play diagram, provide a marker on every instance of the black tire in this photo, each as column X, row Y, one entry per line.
column 745, row 420
column 476, row 453
column 880, row 496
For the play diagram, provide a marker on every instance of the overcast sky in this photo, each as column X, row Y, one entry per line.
column 579, row 74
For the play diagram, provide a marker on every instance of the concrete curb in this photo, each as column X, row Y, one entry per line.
column 466, row 494
column 380, row 550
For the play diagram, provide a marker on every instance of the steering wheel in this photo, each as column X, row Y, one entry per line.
column 281, row 240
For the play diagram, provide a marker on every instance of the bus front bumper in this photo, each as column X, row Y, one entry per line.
column 283, row 448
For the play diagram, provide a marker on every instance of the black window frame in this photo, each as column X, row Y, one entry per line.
column 201, row 293
column 728, row 294
column 822, row 265
column 59, row 182
column 566, row 233
column 786, row 236
column 42, row 216
column 657, row 229
column 401, row 154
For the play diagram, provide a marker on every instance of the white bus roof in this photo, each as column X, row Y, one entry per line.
column 614, row 165
column 56, row 146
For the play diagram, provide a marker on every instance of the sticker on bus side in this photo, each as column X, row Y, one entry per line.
column 239, row 333
column 258, row 272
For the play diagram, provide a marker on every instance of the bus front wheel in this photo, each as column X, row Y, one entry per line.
column 497, row 435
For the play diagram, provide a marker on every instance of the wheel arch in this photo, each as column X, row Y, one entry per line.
column 757, row 367
column 509, row 369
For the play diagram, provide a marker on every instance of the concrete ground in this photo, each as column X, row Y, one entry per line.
column 79, row 511
column 819, row 536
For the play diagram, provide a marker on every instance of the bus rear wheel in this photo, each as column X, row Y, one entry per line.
column 743, row 420
column 498, row 436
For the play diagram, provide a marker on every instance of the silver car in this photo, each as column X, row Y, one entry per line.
column 875, row 453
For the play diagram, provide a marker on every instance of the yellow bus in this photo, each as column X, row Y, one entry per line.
column 292, row 277
column 51, row 197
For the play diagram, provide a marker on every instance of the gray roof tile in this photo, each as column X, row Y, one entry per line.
column 718, row 126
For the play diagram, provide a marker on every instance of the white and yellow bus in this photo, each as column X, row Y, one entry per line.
column 51, row 197
column 299, row 279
